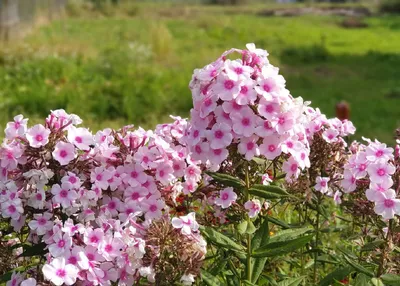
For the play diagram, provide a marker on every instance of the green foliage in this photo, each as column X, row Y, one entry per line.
column 390, row 6
column 282, row 247
column 268, row 192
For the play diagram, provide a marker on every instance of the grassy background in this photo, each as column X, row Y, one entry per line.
column 133, row 64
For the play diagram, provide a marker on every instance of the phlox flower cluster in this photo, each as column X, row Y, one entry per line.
column 89, row 199
column 242, row 106
column 328, row 151
column 374, row 167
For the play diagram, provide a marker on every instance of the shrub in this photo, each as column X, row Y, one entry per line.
column 390, row 6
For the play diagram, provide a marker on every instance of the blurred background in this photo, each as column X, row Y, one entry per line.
column 117, row 62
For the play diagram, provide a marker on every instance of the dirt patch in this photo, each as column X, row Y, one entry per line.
column 353, row 23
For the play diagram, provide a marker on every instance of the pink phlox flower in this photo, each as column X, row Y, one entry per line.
column 38, row 136
column 291, row 168
column 226, row 198
column 153, row 208
column 226, row 88
column 41, row 223
column 337, row 197
column 220, row 136
column 64, row 194
column 247, row 94
column 372, row 193
column 62, row 244
column 249, row 147
column 264, row 128
column 253, row 207
column 378, row 151
column 387, row 205
column 64, row 152
column 330, row 135
column 349, row 182
column 271, row 147
column 93, row 237
column 187, row 224
column 100, row 177
column 73, row 179
column 321, row 184
column 380, row 171
column 58, row 272
column 16, row 128
column 134, row 175
column 244, row 122
column 110, row 247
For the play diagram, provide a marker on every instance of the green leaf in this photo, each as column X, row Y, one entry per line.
column 334, row 229
column 289, row 234
column 218, row 266
column 359, row 267
column 268, row 192
column 259, row 161
column 336, row 275
column 233, row 269
column 362, row 280
column 210, row 279
column 390, row 279
column 373, row 245
column 232, row 281
column 282, row 247
column 226, row 180
column 247, row 282
column 251, row 228
column 279, row 222
column 377, row 282
column 34, row 250
column 270, row 280
column 291, row 281
column 220, row 239
column 7, row 276
column 260, row 238
column 242, row 227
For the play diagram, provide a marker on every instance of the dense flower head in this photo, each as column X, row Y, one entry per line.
column 91, row 198
column 373, row 168
column 244, row 103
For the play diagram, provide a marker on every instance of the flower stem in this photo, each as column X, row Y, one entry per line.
column 315, row 278
column 248, row 260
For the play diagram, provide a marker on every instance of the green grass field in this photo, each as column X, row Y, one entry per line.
column 134, row 65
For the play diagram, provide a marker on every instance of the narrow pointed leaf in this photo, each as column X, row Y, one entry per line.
column 359, row 267
column 210, row 279
column 260, row 238
column 373, row 245
column 279, row 222
column 281, row 247
column 226, row 180
column 362, row 280
column 268, row 192
column 390, row 279
column 336, row 275
column 289, row 234
column 291, row 281
column 220, row 239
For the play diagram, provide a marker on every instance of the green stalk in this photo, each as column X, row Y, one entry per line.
column 316, row 242
column 248, row 260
